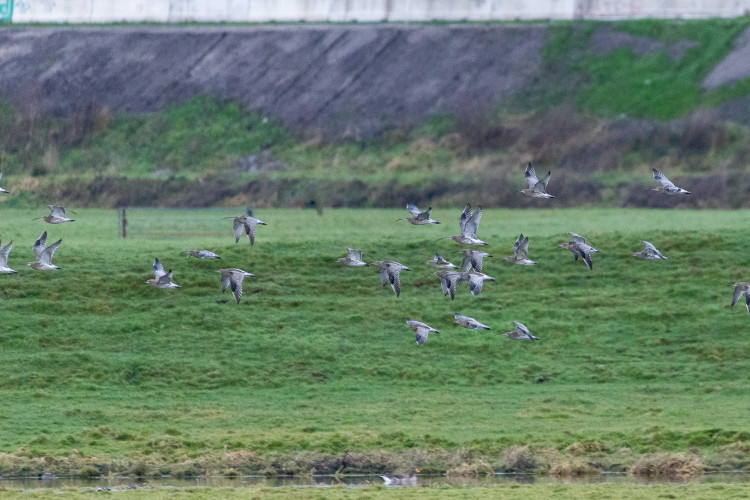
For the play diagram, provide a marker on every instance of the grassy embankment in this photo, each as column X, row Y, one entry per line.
column 600, row 122
column 315, row 368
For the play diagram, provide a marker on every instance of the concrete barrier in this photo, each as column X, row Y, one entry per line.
column 243, row 11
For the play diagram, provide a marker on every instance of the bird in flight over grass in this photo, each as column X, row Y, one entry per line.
column 390, row 272
column 537, row 188
column 470, row 323
column 56, row 215
column 448, row 281
column 353, row 258
column 475, row 280
column 741, row 288
column 649, row 252
column 44, row 254
column 161, row 279
column 418, row 217
column 520, row 332
column 401, row 479
column 578, row 247
column 247, row 223
column 4, row 251
column 232, row 277
column 665, row 185
column 521, row 252
column 439, row 262
column 472, row 260
column 202, row 254
column 469, row 223
column 1, row 189
column 421, row 329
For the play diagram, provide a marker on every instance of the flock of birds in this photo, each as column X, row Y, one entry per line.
column 450, row 275
column 470, row 270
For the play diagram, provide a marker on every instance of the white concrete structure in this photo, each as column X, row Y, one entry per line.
column 244, row 11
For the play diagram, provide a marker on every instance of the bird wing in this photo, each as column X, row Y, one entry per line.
column 4, row 251
column 577, row 238
column 461, row 316
column 40, row 244
column 166, row 278
column 425, row 215
column 747, row 302
column 224, row 281
column 466, row 263
column 586, row 258
column 394, row 276
column 158, row 269
column 238, row 225
column 662, row 179
column 738, row 291
column 46, row 257
column 541, row 186
column 465, row 216
column 521, row 329
column 354, row 254
column 475, row 284
column 649, row 247
column 384, row 275
column 530, row 175
column 421, row 334
column 57, row 211
column 472, row 224
column 477, row 258
column 522, row 250
column 250, row 230
column 236, row 282
column 413, row 209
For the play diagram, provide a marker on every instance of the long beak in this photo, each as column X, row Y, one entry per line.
column 36, row 218
column 446, row 238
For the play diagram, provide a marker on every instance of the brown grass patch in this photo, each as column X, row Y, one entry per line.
column 668, row 465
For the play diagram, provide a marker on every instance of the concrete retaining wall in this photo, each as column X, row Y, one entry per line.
column 243, row 11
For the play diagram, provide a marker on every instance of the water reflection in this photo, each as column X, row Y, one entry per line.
column 354, row 480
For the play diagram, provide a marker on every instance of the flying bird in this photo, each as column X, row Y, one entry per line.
column 537, row 188
column 4, row 251
column 161, row 278
column 665, row 185
column 232, row 277
column 520, row 333
column 649, row 252
column 439, row 262
column 578, row 247
column 44, row 254
column 247, row 223
column 448, row 281
column 741, row 288
column 469, row 223
column 472, row 260
column 353, row 258
column 418, row 217
column 421, row 329
column 390, row 272
column 470, row 323
column 520, row 252
column 202, row 254
column 1, row 189
column 475, row 280
column 56, row 215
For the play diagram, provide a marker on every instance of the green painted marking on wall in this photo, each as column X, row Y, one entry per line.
column 6, row 10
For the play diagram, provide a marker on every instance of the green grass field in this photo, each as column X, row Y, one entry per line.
column 315, row 368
